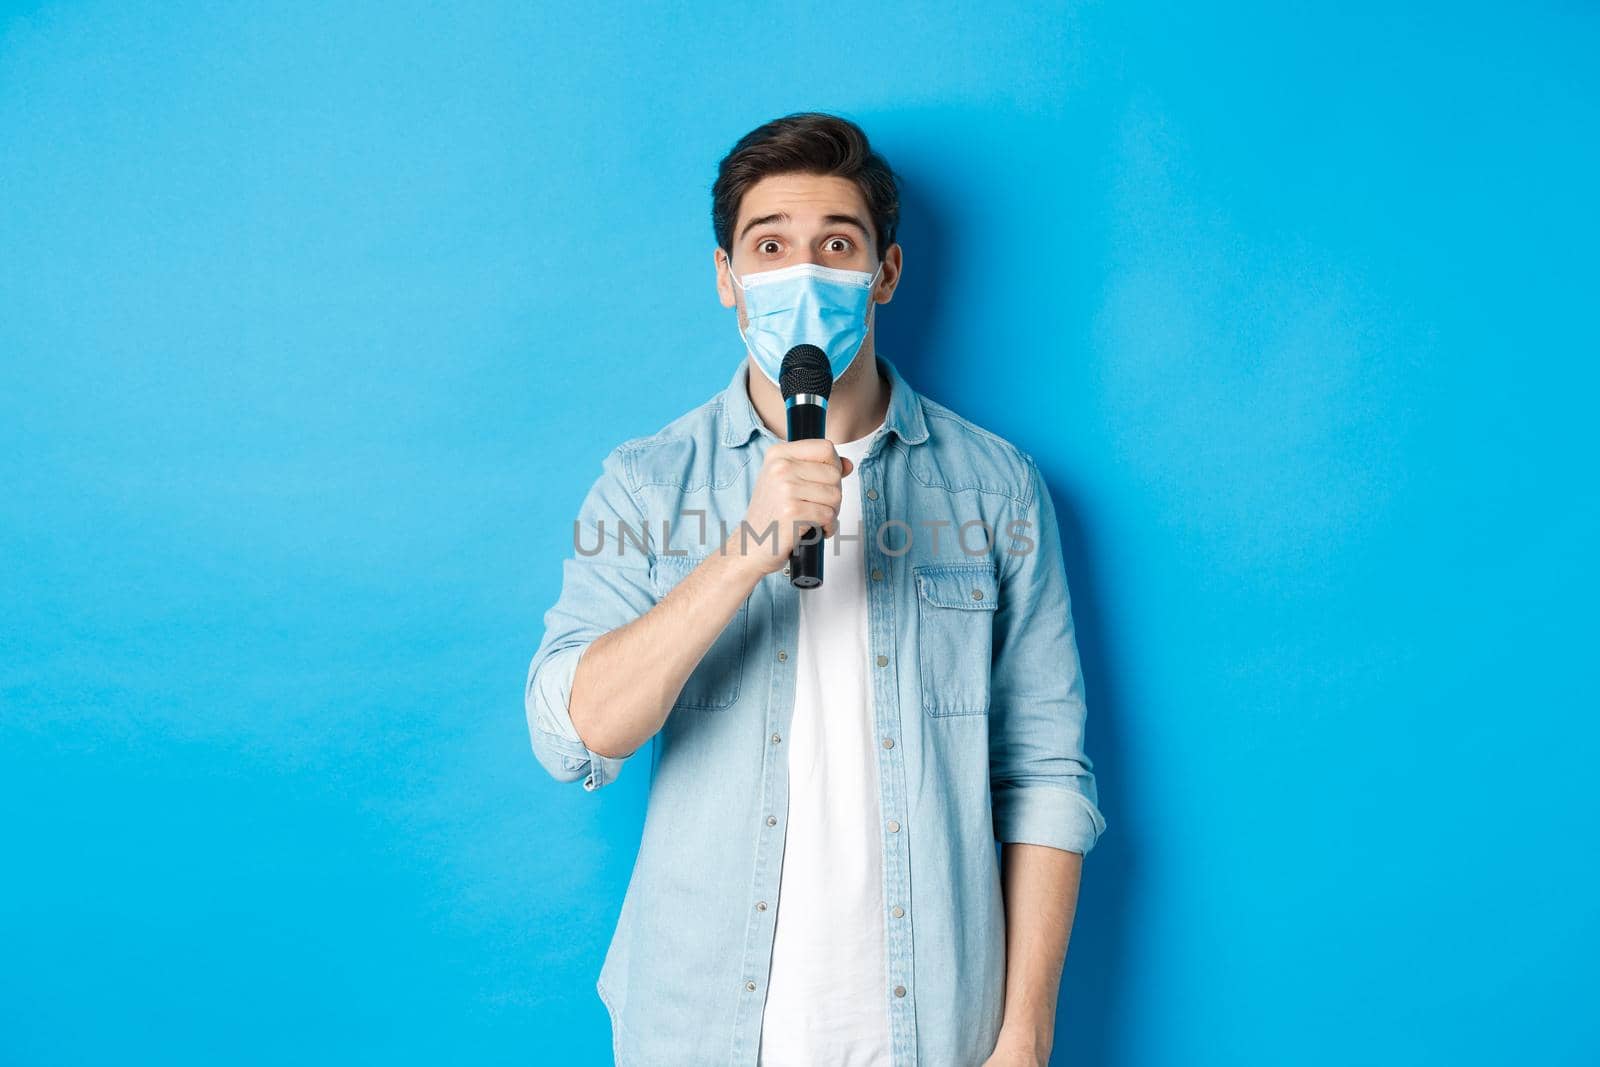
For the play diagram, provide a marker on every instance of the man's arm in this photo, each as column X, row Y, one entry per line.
column 1043, row 793
column 605, row 583
column 614, row 658
column 1040, row 885
column 628, row 678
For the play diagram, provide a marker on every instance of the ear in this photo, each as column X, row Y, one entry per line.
column 722, row 266
column 890, row 278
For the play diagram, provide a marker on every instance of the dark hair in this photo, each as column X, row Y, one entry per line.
column 806, row 142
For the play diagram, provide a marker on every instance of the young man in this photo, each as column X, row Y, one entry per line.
column 817, row 881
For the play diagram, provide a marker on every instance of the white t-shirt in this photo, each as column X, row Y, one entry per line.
column 826, row 1003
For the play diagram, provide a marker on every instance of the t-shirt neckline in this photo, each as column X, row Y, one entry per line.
column 860, row 444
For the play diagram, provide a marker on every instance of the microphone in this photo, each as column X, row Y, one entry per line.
column 806, row 379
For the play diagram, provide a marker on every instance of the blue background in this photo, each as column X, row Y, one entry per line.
column 316, row 322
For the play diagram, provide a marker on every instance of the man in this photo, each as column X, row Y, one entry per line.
column 817, row 881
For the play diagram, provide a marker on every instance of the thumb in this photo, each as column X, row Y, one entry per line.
column 847, row 466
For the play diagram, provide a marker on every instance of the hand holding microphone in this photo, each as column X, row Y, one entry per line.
column 806, row 381
column 798, row 487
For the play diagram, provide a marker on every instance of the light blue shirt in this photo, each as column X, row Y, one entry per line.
column 978, row 710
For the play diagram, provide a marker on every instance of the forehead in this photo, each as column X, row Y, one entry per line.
column 805, row 197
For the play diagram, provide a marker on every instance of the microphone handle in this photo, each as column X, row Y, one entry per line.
column 807, row 421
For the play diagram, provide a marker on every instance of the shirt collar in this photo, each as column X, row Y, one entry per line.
column 739, row 419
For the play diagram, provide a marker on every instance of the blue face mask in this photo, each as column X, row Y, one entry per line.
column 806, row 304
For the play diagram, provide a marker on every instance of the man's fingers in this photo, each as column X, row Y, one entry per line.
column 827, row 493
column 812, row 448
column 802, row 513
column 812, row 471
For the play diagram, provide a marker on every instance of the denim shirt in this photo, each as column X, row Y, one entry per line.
column 978, row 707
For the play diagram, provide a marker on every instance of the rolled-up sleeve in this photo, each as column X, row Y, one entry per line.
column 605, row 584
column 1042, row 784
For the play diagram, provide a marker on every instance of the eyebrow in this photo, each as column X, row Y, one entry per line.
column 783, row 216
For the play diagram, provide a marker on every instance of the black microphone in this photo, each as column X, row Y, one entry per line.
column 806, row 380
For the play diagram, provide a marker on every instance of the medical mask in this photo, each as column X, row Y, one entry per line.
column 806, row 304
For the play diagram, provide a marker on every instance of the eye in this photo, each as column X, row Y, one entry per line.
column 845, row 241
column 762, row 247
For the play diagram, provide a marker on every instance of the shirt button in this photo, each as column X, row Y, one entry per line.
column 750, row 985
column 776, row 739
column 786, row 567
column 872, row 494
column 977, row 594
column 782, row 655
column 761, row 905
column 877, row 575
column 897, row 911
column 772, row 820
column 888, row 742
column 894, row 826
column 899, row 990
column 883, row 661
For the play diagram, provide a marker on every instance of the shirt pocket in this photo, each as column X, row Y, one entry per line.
column 955, row 624
column 714, row 683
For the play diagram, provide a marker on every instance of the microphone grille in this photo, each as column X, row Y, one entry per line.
column 805, row 370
